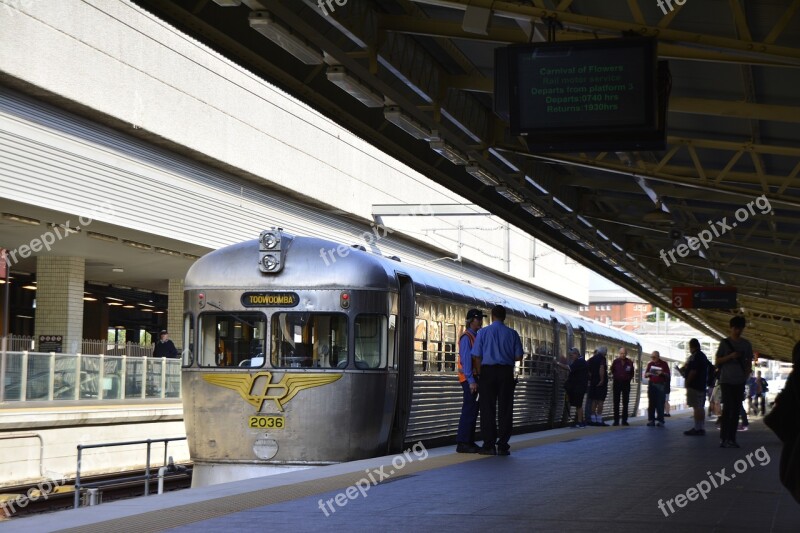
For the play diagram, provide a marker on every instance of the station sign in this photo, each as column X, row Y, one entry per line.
column 704, row 297
column 270, row 299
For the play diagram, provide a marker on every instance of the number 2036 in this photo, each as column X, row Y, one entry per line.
column 266, row 422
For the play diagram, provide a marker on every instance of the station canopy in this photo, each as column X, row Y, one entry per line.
column 416, row 78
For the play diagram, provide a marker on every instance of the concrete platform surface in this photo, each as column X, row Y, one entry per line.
column 633, row 479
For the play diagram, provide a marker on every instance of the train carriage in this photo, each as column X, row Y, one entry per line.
column 301, row 351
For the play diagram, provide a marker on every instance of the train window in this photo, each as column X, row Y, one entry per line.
column 304, row 340
column 450, row 348
column 392, row 337
column 370, row 341
column 433, row 361
column 188, row 340
column 232, row 339
column 420, row 345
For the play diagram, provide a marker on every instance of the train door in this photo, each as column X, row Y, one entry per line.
column 405, row 362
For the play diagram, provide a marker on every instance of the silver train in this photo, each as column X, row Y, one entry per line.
column 301, row 352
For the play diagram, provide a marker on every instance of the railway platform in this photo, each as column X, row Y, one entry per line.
column 633, row 478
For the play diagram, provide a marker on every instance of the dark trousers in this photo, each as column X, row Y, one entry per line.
column 497, row 394
column 469, row 416
column 622, row 388
column 656, row 394
column 732, row 398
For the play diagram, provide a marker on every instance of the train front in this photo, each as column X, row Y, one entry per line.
column 288, row 364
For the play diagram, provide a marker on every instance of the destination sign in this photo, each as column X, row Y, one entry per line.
column 704, row 297
column 270, row 299
column 571, row 86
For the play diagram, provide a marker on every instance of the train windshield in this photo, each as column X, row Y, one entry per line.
column 303, row 340
column 232, row 339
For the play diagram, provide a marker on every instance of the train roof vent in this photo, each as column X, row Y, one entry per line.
column 395, row 258
column 359, row 247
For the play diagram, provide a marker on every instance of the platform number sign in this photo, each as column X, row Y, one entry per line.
column 704, row 297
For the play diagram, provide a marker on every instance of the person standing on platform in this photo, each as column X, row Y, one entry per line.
column 598, row 384
column 734, row 357
column 165, row 347
column 576, row 384
column 468, row 377
column 622, row 374
column 498, row 348
column 696, row 373
column 657, row 373
column 762, row 387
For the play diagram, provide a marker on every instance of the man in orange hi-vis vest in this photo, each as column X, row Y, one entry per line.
column 467, row 376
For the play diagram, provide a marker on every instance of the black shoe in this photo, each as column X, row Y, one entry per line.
column 464, row 447
column 616, row 423
column 651, row 423
column 625, row 423
column 503, row 451
column 667, row 414
column 695, row 432
column 488, row 450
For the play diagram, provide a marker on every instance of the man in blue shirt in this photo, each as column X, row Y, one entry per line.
column 469, row 383
column 498, row 348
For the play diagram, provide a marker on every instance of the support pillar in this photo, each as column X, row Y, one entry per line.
column 59, row 299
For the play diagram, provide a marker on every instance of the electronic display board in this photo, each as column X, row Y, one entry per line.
column 584, row 95
column 704, row 297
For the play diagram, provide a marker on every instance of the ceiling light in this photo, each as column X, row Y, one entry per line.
column 29, row 287
column 228, row 3
column 263, row 23
column 406, row 123
column 533, row 210
column 587, row 244
column 115, row 299
column 118, row 270
column 89, row 299
column 129, row 306
column 114, row 303
column 24, row 316
column 510, row 194
column 168, row 252
column 571, row 234
column 481, row 175
column 158, row 312
column 553, row 223
column 448, row 152
column 140, row 245
column 101, row 236
column 22, row 219
column 146, row 305
column 145, row 310
column 339, row 77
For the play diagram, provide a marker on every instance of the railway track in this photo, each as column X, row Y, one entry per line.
column 24, row 500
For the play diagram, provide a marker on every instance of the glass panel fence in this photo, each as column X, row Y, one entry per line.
column 33, row 376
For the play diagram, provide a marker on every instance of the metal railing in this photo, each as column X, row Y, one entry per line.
column 19, row 343
column 147, row 471
column 35, row 376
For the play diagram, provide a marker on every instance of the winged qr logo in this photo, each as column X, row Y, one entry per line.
column 256, row 392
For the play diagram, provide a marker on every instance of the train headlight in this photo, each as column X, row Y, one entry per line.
column 272, row 244
column 270, row 240
column 269, row 263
